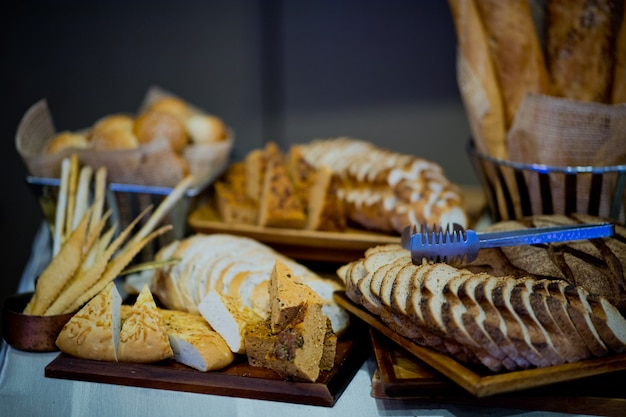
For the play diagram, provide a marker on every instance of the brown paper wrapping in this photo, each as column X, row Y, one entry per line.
column 153, row 164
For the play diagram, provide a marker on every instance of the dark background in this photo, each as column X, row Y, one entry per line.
column 287, row 71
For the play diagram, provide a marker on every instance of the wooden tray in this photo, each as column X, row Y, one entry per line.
column 340, row 247
column 401, row 376
column 479, row 381
column 237, row 380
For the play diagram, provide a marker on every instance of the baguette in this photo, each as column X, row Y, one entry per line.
column 516, row 52
column 579, row 38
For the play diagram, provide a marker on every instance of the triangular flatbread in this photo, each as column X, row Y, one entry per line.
column 93, row 332
column 143, row 338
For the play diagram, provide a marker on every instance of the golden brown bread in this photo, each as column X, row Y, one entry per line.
column 171, row 105
column 475, row 70
column 579, row 39
column 151, row 125
column 205, row 128
column 515, row 50
column 65, row 140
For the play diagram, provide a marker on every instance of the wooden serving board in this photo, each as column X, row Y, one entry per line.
column 312, row 245
column 401, row 376
column 479, row 381
column 237, row 380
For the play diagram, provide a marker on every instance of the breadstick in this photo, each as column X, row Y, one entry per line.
column 579, row 39
column 516, row 51
column 99, row 194
column 82, row 195
column 71, row 194
column 59, row 220
column 60, row 270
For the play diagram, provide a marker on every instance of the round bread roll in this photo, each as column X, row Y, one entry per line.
column 153, row 124
column 114, row 139
column 171, row 105
column 113, row 122
column 205, row 128
column 66, row 140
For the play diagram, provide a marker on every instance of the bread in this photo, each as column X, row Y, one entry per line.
column 151, row 125
column 502, row 323
column 114, row 140
column 279, row 205
column 294, row 339
column 66, row 140
column 117, row 121
column 597, row 265
column 205, row 128
column 579, row 39
column 171, row 105
column 93, row 332
column 234, row 267
column 194, row 343
column 234, row 207
column 385, row 190
column 143, row 337
column 325, row 210
column 477, row 79
column 516, row 52
column 618, row 94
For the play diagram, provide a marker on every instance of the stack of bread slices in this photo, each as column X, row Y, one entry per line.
column 503, row 323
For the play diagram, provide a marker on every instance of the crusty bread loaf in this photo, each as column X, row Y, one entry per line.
column 516, row 52
column 225, row 278
column 385, row 190
column 477, row 79
column 579, row 39
column 143, row 337
column 295, row 341
column 93, row 332
column 503, row 323
column 597, row 265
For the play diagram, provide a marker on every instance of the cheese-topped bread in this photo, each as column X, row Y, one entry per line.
column 93, row 332
column 143, row 338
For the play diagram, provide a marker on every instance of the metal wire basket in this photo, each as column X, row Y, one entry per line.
column 514, row 190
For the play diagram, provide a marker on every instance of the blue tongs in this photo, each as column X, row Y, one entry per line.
column 454, row 244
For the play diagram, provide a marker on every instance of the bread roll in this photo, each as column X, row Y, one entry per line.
column 151, row 125
column 579, row 48
column 205, row 128
column 114, row 132
column 171, row 105
column 516, row 51
column 65, row 140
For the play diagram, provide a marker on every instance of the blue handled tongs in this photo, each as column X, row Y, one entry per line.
column 455, row 244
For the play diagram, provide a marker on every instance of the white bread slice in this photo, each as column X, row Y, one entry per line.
column 194, row 343
column 371, row 297
column 93, row 332
column 452, row 312
column 474, row 319
column 161, row 284
column 143, row 338
column 228, row 317
column 580, row 313
column 609, row 322
column 557, row 307
column 496, row 325
column 517, row 331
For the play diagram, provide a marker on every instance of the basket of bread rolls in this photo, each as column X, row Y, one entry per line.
column 543, row 83
column 145, row 155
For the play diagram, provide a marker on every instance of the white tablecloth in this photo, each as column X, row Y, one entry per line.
column 25, row 391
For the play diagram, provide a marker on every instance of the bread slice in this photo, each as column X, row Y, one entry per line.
column 288, row 295
column 255, row 163
column 325, row 209
column 301, row 173
column 194, row 343
column 93, row 332
column 234, row 207
column 143, row 338
column 228, row 317
column 279, row 205
column 609, row 322
column 473, row 320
